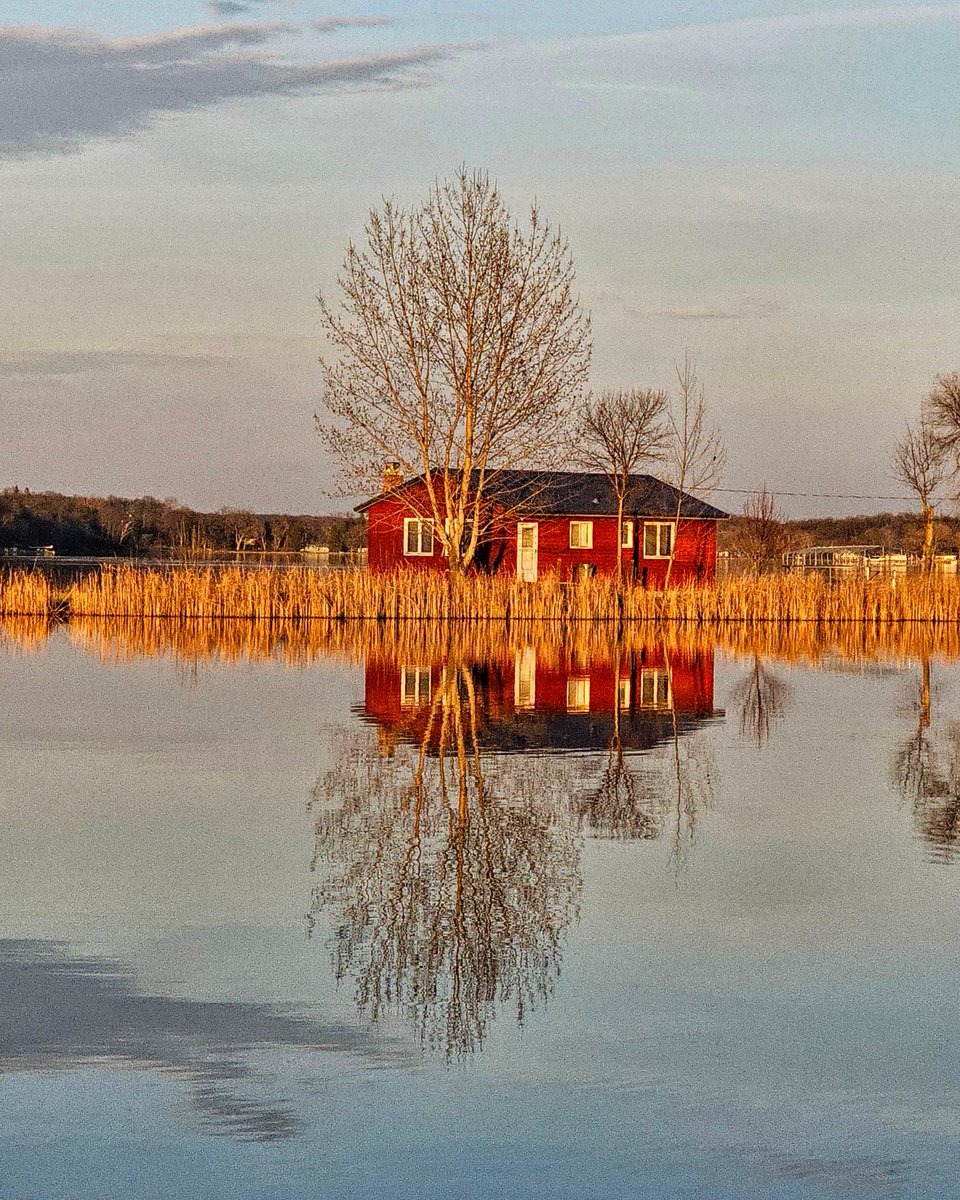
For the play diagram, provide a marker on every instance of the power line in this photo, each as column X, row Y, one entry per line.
column 810, row 495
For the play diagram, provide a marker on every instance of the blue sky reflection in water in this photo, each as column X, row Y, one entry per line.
column 741, row 986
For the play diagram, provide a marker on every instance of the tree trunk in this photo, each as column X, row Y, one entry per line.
column 927, row 539
column 619, row 544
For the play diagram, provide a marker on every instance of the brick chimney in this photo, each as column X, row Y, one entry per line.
column 392, row 475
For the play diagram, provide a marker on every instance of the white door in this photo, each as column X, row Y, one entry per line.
column 525, row 679
column 527, row 551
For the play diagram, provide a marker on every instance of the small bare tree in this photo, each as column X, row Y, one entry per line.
column 623, row 431
column 920, row 462
column 761, row 536
column 460, row 351
column 696, row 454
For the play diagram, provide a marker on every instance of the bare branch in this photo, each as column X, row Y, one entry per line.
column 762, row 536
column 624, row 431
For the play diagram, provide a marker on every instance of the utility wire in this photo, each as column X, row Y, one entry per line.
column 810, row 495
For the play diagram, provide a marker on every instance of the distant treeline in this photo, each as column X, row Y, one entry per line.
column 895, row 531
column 114, row 525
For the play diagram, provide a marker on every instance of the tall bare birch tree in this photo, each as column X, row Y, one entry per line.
column 920, row 462
column 622, row 432
column 459, row 350
column 696, row 456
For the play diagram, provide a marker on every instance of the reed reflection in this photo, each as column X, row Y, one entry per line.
column 301, row 642
column 927, row 772
column 449, row 831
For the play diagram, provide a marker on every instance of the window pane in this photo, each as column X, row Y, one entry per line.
column 665, row 539
column 650, row 541
column 411, row 547
column 426, row 537
column 626, row 535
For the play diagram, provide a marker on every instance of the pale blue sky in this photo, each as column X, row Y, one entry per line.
column 771, row 186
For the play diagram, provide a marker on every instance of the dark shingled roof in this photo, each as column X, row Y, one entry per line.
column 576, row 493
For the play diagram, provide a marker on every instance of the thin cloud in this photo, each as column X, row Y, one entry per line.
column 62, row 88
column 228, row 8
column 331, row 24
column 747, row 310
column 80, row 362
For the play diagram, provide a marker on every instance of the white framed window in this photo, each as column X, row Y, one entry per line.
column 578, row 695
column 657, row 539
column 417, row 537
column 581, row 535
column 623, row 694
column 414, row 687
column 626, row 535
column 655, row 688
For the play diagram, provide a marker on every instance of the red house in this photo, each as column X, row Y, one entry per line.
column 536, row 522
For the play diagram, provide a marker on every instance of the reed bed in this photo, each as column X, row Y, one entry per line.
column 28, row 594
column 295, row 595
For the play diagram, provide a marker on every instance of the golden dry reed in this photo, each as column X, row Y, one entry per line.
column 294, row 594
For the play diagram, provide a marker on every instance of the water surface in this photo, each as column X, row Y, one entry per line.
column 331, row 913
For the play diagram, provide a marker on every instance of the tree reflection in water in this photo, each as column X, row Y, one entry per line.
column 454, row 885
column 448, row 844
column 762, row 698
column 637, row 795
column 927, row 772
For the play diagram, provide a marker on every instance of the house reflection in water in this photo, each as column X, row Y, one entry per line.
column 526, row 701
column 448, row 861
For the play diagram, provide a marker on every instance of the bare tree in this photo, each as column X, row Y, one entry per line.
column 761, row 536
column 696, row 453
column 623, row 431
column 459, row 350
column 920, row 462
column 943, row 412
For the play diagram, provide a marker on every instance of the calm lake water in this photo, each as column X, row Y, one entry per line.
column 350, row 915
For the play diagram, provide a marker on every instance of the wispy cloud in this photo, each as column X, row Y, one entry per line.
column 749, row 309
column 80, row 362
column 238, row 8
column 332, row 24
column 61, row 88
column 228, row 8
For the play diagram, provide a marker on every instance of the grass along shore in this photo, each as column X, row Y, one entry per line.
column 291, row 594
